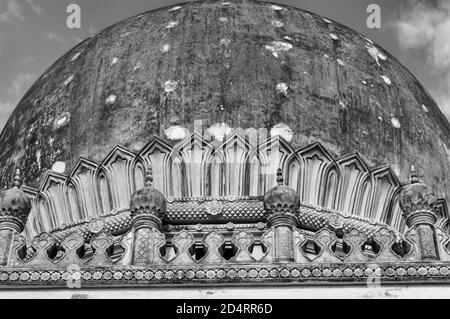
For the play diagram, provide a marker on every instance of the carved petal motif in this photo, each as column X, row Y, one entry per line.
column 213, row 241
column 268, row 241
column 71, row 244
column 101, row 243
column 243, row 241
column 355, row 240
column 414, row 254
column 183, row 241
column 326, row 239
column 127, row 243
column 42, row 244
column 386, row 239
column 443, row 240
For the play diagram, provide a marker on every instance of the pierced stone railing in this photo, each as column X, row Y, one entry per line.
column 290, row 245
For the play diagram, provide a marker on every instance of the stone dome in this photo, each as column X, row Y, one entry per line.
column 245, row 63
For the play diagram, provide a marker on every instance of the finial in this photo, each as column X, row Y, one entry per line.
column 413, row 176
column 17, row 180
column 149, row 178
column 280, row 178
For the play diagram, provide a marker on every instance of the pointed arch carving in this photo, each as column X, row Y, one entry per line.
column 195, row 167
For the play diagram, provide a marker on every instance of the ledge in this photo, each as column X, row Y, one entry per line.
column 245, row 274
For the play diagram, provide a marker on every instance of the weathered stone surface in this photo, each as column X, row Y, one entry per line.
column 244, row 64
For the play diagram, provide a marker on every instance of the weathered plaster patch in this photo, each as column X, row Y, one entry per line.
column 277, row 47
column 62, row 121
column 59, row 167
column 176, row 133
column 219, row 131
column 376, row 54
column 38, row 158
column 276, row 8
column 137, row 66
column 172, row 24
column 447, row 151
column 170, row 86
column 76, row 56
column 386, row 79
column 111, row 99
column 165, row 48
column 334, row 36
column 68, row 80
column 175, row 9
column 277, row 24
column 283, row 131
column 396, row 123
column 225, row 42
column 282, row 88
column 396, row 170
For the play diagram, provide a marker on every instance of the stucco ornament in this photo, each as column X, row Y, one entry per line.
column 281, row 198
column 417, row 197
column 15, row 205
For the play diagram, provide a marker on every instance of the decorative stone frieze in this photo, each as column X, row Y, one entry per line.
column 15, row 207
column 148, row 208
column 416, row 202
column 282, row 204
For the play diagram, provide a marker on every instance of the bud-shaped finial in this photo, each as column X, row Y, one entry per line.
column 148, row 202
column 149, row 178
column 413, row 175
column 280, row 178
column 17, row 180
column 15, row 205
column 281, row 198
column 417, row 201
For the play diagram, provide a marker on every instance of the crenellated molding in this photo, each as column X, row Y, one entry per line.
column 240, row 166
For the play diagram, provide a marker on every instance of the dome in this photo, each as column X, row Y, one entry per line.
column 243, row 63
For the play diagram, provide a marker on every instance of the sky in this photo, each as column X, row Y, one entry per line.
column 34, row 34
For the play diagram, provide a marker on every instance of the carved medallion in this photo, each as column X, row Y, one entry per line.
column 213, row 208
column 96, row 226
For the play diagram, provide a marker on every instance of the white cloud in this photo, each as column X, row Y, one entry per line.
column 35, row 7
column 424, row 27
column 28, row 59
column 52, row 36
column 20, row 84
column 10, row 10
column 5, row 111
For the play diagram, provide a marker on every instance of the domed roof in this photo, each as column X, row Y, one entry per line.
column 243, row 63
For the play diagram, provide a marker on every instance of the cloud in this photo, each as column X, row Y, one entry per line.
column 28, row 59
column 424, row 27
column 35, row 7
column 5, row 111
column 10, row 10
column 52, row 36
column 20, row 84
